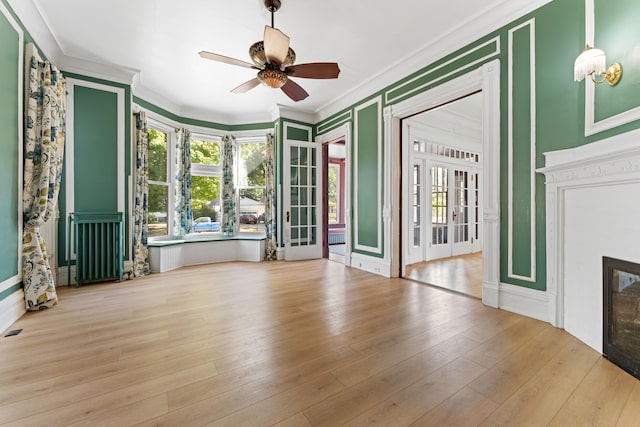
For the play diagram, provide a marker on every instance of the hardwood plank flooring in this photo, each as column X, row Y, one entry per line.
column 461, row 273
column 298, row 344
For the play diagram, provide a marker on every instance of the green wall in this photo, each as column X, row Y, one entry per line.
column 95, row 150
column 9, row 150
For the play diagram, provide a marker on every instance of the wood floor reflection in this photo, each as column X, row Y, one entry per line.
column 460, row 274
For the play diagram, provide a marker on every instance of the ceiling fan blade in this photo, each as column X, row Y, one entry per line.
column 276, row 45
column 247, row 86
column 221, row 58
column 314, row 70
column 294, row 90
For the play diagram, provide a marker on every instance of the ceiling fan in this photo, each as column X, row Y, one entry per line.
column 273, row 58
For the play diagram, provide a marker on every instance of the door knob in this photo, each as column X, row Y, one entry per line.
column 454, row 215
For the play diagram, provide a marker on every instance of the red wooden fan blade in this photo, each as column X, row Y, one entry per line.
column 225, row 59
column 294, row 90
column 247, row 86
column 314, row 70
column 276, row 45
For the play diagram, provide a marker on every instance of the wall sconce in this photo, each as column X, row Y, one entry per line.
column 592, row 62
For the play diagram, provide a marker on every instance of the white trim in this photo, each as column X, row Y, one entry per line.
column 532, row 149
column 12, row 281
column 11, row 309
column 283, row 112
column 356, row 184
column 592, row 127
column 348, row 116
column 286, row 124
column 524, row 301
column 343, row 131
column 70, row 146
column 21, row 94
column 442, row 77
column 487, row 79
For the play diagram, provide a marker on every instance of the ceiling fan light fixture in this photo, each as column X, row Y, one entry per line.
column 272, row 77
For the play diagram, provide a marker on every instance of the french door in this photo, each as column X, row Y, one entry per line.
column 455, row 225
column 302, row 200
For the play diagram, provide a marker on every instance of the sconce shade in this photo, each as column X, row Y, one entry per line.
column 589, row 61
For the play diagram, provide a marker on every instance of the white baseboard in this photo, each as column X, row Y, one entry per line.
column 524, row 301
column 11, row 309
column 371, row 264
column 490, row 294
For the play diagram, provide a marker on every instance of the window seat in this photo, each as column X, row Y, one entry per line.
column 171, row 253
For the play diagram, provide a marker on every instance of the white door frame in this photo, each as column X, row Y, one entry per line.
column 487, row 79
column 343, row 132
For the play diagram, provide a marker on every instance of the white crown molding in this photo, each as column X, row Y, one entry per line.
column 30, row 16
column 113, row 73
column 281, row 111
column 499, row 14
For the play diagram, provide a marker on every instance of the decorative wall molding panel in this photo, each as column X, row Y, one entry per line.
column 518, row 147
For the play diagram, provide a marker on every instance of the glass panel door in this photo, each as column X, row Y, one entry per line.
column 302, row 204
column 460, row 212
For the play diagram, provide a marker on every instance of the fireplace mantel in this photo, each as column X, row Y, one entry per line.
column 592, row 210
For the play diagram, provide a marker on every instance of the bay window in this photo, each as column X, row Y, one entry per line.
column 206, row 181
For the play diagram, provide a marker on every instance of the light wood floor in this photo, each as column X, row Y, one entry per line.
column 298, row 344
column 460, row 273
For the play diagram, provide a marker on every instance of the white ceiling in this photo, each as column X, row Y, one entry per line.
column 153, row 44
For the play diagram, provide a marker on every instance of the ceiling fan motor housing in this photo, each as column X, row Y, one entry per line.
column 257, row 55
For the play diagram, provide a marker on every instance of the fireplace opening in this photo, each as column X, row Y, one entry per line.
column 621, row 314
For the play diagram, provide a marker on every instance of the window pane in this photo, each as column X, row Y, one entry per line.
column 251, row 210
column 205, row 193
column 333, row 188
column 205, row 152
column 158, row 197
column 157, row 155
column 251, row 165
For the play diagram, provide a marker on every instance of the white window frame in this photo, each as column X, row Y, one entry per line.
column 236, row 176
column 171, row 179
column 215, row 171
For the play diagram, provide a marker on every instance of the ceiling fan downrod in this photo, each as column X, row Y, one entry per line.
column 272, row 6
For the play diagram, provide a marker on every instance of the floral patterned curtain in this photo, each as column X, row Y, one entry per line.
column 228, row 188
column 182, row 224
column 269, row 202
column 43, row 155
column 140, row 203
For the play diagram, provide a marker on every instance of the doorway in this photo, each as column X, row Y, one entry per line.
column 444, row 222
column 334, row 200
